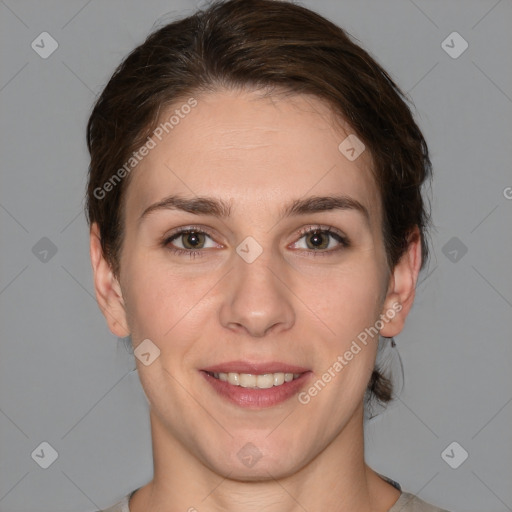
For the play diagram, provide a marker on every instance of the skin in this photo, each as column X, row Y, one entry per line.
column 291, row 304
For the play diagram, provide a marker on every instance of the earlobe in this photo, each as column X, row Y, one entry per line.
column 107, row 288
column 402, row 287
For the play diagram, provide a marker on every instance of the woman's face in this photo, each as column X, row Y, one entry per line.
column 250, row 286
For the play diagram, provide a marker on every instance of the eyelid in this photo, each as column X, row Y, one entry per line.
column 180, row 231
column 341, row 238
column 175, row 233
column 321, row 227
column 299, row 232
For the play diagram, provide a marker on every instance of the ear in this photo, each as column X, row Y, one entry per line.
column 107, row 288
column 402, row 287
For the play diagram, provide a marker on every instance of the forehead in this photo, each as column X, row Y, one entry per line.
column 247, row 148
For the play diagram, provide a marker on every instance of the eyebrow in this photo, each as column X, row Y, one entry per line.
column 222, row 209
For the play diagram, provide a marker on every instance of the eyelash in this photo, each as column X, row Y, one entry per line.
column 329, row 230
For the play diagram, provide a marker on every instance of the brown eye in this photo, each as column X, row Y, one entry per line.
column 189, row 241
column 317, row 240
column 193, row 240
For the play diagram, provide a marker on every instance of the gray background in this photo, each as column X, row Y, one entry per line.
column 65, row 379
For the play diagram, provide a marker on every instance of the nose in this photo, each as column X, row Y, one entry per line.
column 257, row 299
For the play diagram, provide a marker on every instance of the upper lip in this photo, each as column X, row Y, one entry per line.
column 255, row 368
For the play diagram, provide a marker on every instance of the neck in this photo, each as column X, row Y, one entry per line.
column 336, row 479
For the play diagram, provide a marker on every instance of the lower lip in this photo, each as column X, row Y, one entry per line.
column 255, row 398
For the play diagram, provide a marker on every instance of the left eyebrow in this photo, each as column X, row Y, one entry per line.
column 315, row 204
column 218, row 208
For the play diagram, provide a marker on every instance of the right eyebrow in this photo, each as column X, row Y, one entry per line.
column 196, row 205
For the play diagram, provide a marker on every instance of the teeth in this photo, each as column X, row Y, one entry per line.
column 278, row 379
column 248, row 380
column 233, row 378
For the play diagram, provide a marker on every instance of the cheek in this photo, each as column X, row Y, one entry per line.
column 165, row 301
column 350, row 307
column 162, row 301
column 147, row 292
column 348, row 299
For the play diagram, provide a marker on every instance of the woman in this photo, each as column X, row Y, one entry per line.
column 256, row 226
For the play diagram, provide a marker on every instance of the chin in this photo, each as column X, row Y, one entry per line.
column 260, row 472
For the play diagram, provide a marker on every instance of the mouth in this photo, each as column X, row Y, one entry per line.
column 256, row 385
column 249, row 380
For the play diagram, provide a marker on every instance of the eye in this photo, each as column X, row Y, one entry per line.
column 321, row 239
column 317, row 240
column 189, row 241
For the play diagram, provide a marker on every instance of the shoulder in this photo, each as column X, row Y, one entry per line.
column 409, row 503
column 120, row 506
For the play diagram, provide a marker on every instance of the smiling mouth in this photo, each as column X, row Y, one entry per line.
column 249, row 380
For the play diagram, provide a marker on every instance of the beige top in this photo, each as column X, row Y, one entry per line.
column 406, row 503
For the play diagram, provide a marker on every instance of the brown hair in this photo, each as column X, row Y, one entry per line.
column 259, row 44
